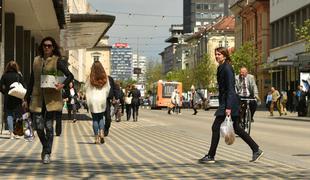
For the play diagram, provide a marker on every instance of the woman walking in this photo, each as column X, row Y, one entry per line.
column 128, row 102
column 97, row 85
column 45, row 102
column 135, row 102
column 229, row 106
column 72, row 101
column 12, row 105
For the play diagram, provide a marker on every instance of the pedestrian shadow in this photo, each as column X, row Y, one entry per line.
column 89, row 169
column 301, row 155
column 79, row 117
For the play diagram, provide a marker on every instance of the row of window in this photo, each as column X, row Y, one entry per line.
column 283, row 30
column 208, row 15
column 209, row 6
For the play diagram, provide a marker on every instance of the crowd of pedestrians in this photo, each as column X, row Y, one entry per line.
column 46, row 104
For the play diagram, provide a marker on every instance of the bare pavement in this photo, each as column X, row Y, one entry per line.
column 162, row 146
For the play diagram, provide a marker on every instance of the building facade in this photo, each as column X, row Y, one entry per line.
column 288, row 56
column 99, row 53
column 252, row 25
column 121, row 62
column 208, row 38
column 198, row 13
column 139, row 62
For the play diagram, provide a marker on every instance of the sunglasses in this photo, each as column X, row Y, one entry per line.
column 47, row 45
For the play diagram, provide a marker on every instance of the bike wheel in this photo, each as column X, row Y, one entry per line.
column 248, row 121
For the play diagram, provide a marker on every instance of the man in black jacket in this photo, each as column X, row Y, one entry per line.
column 114, row 92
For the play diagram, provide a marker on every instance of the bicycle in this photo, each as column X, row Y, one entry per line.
column 245, row 114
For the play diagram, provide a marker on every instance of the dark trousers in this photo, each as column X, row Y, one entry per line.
column 253, row 106
column 128, row 111
column 58, row 122
column 44, row 127
column 108, row 118
column 135, row 111
column 72, row 111
column 238, row 130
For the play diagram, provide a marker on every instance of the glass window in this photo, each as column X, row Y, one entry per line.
column 96, row 58
column 206, row 7
column 199, row 6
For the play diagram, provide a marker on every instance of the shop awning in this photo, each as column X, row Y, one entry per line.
column 43, row 18
column 85, row 30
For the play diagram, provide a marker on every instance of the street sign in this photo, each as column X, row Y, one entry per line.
column 137, row 70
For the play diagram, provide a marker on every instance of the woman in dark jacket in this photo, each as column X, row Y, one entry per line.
column 135, row 102
column 12, row 105
column 229, row 106
column 72, row 101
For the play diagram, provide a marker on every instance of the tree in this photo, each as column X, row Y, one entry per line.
column 245, row 56
column 153, row 74
column 204, row 73
column 303, row 32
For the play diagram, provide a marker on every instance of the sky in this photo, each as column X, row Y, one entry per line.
column 147, row 28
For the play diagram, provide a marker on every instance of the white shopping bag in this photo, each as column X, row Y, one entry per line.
column 227, row 130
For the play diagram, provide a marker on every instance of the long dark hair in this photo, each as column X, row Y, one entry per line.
column 56, row 50
column 98, row 76
column 12, row 66
column 225, row 53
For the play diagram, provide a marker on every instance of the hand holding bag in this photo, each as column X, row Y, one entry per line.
column 227, row 130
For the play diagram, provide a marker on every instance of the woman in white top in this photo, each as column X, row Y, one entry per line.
column 97, row 91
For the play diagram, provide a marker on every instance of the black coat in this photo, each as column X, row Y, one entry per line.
column 135, row 93
column 228, row 99
column 70, row 97
column 11, row 103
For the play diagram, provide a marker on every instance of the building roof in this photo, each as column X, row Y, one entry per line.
column 223, row 25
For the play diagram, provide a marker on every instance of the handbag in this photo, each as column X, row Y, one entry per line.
column 128, row 100
column 17, row 90
column 18, row 127
column 227, row 130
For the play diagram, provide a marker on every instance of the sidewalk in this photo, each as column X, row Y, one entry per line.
column 289, row 116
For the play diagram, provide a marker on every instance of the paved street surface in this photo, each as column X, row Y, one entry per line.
column 162, row 146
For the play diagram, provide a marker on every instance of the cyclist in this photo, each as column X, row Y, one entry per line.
column 247, row 89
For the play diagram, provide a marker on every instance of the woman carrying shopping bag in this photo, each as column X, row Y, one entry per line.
column 12, row 105
column 97, row 85
column 229, row 106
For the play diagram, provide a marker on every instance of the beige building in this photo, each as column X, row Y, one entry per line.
column 100, row 53
column 221, row 34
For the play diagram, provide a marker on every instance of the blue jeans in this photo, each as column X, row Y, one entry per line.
column 10, row 120
column 98, row 122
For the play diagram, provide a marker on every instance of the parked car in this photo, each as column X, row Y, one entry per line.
column 213, row 102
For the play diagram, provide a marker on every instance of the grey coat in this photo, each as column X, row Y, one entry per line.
column 251, row 84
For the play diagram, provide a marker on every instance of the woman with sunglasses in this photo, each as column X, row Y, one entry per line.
column 44, row 103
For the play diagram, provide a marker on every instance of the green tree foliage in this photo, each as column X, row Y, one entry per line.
column 203, row 76
column 303, row 32
column 245, row 56
column 204, row 73
column 153, row 74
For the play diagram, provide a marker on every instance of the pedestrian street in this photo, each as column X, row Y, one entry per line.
column 155, row 147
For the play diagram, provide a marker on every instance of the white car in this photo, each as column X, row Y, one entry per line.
column 213, row 102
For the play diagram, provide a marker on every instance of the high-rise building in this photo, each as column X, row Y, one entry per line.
column 202, row 12
column 121, row 61
column 139, row 64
